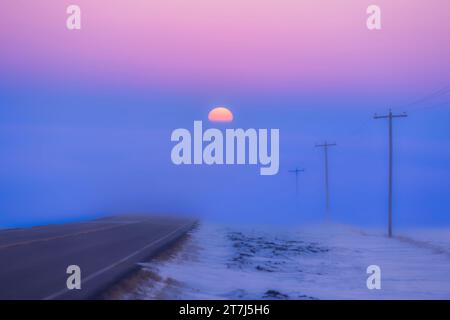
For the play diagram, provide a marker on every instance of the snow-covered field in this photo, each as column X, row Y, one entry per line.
column 310, row 262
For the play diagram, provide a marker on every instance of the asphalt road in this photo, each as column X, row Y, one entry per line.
column 33, row 261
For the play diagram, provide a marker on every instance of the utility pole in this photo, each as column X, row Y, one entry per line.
column 327, row 192
column 296, row 171
column 390, row 116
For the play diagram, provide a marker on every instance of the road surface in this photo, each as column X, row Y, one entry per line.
column 34, row 261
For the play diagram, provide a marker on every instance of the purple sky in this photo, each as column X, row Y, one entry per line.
column 86, row 116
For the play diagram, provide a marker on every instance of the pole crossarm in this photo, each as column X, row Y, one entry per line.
column 403, row 115
column 326, row 145
column 297, row 170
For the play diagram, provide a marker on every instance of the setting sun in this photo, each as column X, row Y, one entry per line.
column 220, row 114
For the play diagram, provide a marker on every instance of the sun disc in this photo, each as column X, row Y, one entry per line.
column 220, row 114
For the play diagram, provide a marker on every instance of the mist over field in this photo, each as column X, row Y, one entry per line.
column 86, row 116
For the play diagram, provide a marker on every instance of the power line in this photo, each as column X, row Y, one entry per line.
column 438, row 105
column 443, row 91
column 390, row 116
column 438, row 93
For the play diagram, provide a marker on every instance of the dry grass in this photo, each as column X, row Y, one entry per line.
column 128, row 286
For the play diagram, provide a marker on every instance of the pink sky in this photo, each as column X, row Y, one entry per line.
column 249, row 44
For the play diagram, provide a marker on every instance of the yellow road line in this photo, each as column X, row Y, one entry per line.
column 22, row 243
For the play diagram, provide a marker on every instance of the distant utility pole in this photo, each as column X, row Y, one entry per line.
column 325, row 147
column 296, row 171
column 390, row 116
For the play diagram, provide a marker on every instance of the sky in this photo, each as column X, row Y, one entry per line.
column 86, row 115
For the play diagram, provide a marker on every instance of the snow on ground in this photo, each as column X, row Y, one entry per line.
column 313, row 262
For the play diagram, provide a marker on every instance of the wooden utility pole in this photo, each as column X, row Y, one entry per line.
column 327, row 191
column 296, row 171
column 390, row 116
